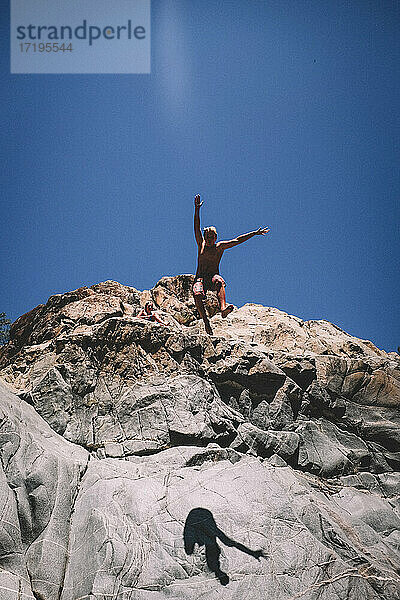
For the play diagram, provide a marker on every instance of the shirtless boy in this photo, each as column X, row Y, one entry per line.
column 209, row 256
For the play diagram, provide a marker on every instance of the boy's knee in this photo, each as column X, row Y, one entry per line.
column 218, row 282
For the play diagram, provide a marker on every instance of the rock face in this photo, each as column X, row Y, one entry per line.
column 147, row 462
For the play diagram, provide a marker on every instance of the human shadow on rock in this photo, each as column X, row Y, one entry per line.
column 201, row 528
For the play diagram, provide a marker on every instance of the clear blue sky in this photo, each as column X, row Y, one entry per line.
column 279, row 113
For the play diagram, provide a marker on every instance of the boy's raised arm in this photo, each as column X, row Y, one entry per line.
column 242, row 238
column 197, row 231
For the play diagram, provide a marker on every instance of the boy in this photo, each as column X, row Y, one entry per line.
column 209, row 256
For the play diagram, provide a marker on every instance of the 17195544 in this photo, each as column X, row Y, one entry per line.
column 45, row 47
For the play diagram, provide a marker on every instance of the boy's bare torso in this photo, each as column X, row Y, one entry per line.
column 208, row 260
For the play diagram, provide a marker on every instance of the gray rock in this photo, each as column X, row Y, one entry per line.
column 128, row 528
column 283, row 435
column 253, row 440
column 39, row 478
column 328, row 451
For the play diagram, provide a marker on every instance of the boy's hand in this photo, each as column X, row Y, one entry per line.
column 197, row 202
column 262, row 231
column 260, row 554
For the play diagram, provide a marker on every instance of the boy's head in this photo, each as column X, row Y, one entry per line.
column 210, row 235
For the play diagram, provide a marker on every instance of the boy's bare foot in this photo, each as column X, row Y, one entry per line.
column 208, row 327
column 228, row 309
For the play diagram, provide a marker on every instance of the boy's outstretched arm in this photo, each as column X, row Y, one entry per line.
column 197, row 231
column 242, row 238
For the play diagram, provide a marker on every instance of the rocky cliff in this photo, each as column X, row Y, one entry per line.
column 143, row 462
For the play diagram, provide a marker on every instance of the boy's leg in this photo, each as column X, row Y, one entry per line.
column 202, row 311
column 199, row 295
column 220, row 288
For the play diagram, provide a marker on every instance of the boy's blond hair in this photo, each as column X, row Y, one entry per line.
column 209, row 230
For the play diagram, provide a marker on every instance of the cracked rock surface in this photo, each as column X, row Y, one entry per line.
column 281, row 437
